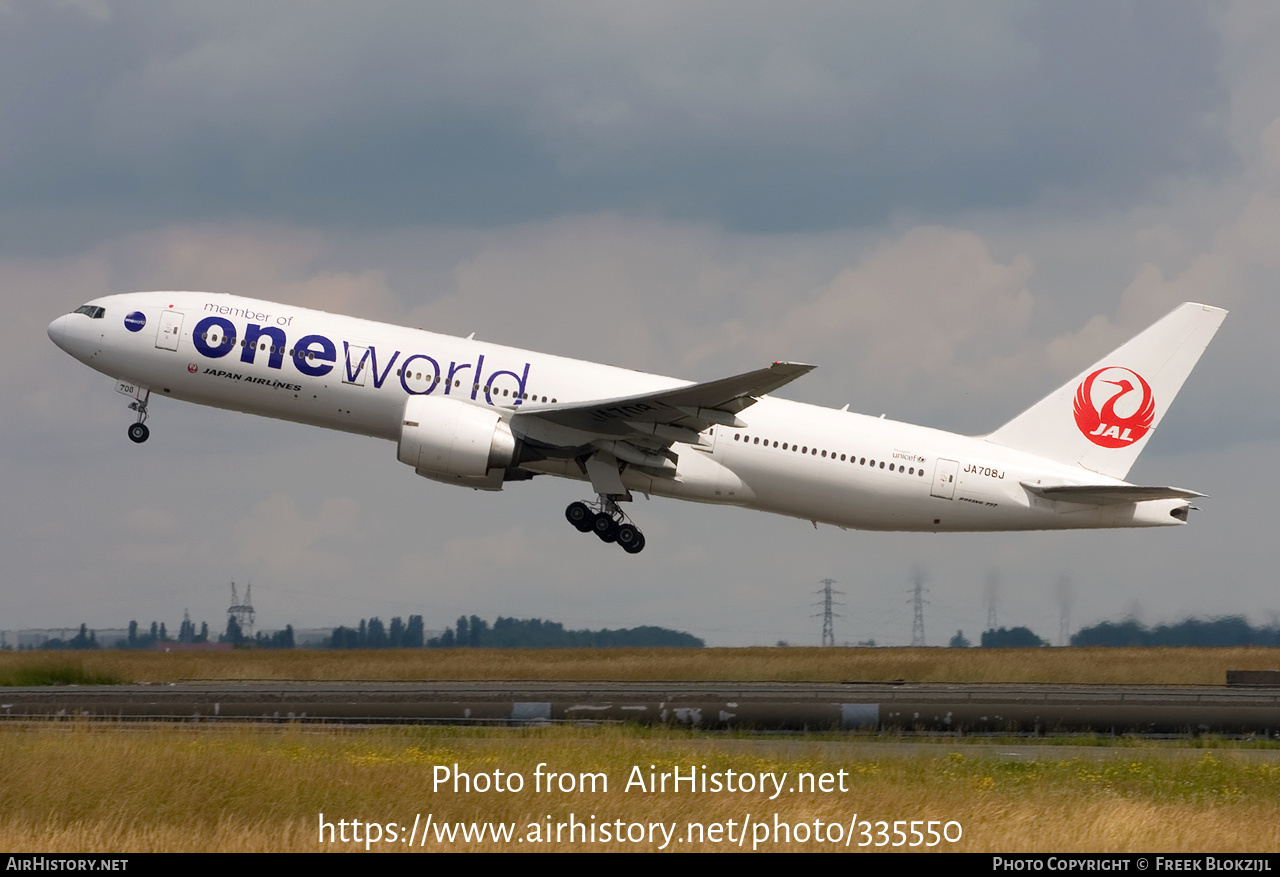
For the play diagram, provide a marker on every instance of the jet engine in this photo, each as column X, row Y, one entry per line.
column 448, row 440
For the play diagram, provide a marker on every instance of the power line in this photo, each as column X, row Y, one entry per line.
column 828, row 628
column 242, row 612
column 917, row 620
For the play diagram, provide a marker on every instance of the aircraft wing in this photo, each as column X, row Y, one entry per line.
column 676, row 414
column 1103, row 494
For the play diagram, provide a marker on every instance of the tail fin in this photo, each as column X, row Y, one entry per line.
column 1089, row 422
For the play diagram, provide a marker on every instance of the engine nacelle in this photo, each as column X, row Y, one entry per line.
column 450, row 441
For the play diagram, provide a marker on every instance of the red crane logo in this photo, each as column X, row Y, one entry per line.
column 1106, row 427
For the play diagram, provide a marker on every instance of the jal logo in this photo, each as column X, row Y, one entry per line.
column 1114, row 407
column 192, row 367
column 135, row 321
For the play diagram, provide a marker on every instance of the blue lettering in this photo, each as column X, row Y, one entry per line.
column 352, row 372
column 303, row 353
column 315, row 355
column 431, row 378
column 224, row 346
column 454, row 368
column 475, row 388
column 251, row 336
column 378, row 379
column 520, row 383
column 371, row 356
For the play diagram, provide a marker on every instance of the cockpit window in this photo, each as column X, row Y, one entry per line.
column 94, row 312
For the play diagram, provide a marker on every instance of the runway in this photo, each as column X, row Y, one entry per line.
column 767, row 706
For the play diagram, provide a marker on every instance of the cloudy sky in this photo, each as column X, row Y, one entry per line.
column 950, row 207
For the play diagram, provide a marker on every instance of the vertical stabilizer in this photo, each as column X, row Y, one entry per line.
column 1103, row 417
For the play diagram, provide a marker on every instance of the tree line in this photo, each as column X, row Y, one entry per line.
column 1231, row 630
column 534, row 633
column 473, row 632
column 371, row 633
column 158, row 634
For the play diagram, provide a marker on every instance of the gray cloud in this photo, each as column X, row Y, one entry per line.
column 750, row 116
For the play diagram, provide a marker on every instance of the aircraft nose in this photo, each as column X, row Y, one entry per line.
column 58, row 331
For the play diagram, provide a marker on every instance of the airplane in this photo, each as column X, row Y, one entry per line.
column 474, row 414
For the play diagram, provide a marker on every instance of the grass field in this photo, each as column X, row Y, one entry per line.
column 85, row 786
column 82, row 786
column 1134, row 666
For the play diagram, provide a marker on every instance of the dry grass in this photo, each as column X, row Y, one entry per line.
column 1133, row 666
column 80, row 787
column 86, row 786
column 54, row 670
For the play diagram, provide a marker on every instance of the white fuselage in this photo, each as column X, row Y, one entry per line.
column 805, row 461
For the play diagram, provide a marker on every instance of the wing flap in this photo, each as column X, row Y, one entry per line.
column 691, row 408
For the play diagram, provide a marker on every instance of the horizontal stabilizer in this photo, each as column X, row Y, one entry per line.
column 1105, row 494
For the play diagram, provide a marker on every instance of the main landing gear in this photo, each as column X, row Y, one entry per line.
column 607, row 521
column 138, row 432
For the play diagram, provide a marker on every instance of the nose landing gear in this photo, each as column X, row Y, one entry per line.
column 607, row 521
column 138, row 431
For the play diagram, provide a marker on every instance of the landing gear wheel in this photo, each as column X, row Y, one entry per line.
column 580, row 516
column 138, row 432
column 606, row 527
column 607, row 521
column 631, row 539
